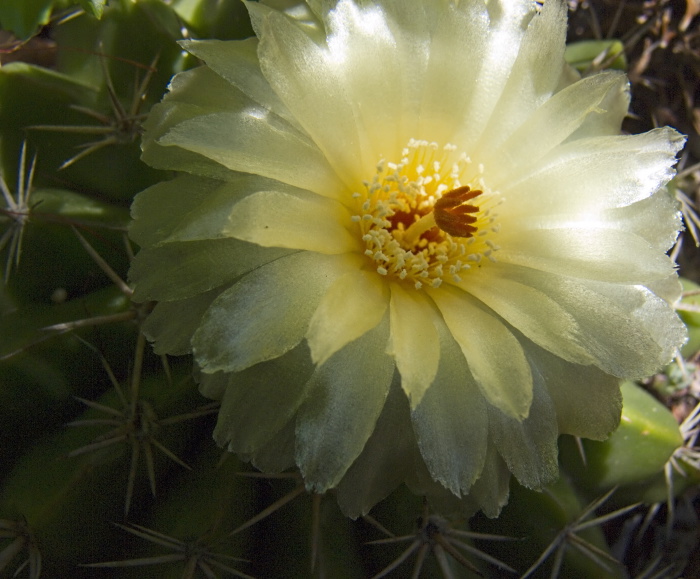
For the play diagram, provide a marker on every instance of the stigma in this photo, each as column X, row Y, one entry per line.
column 451, row 214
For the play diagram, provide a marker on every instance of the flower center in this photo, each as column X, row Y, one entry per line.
column 428, row 218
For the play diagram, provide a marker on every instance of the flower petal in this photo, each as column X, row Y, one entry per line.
column 501, row 44
column 278, row 454
column 529, row 446
column 585, row 250
column 590, row 174
column 490, row 491
column 628, row 330
column 360, row 37
column 171, row 325
column 299, row 220
column 451, row 423
column 353, row 305
column 238, row 63
column 385, row 461
column 458, row 40
column 414, row 341
column 534, row 314
column 255, row 141
column 180, row 270
column 344, row 401
column 534, row 77
column 305, row 77
column 587, row 400
column 186, row 100
column 557, row 119
column 494, row 355
column 266, row 313
column 261, row 400
column 160, row 210
column 656, row 219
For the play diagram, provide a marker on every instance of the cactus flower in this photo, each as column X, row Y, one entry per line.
column 407, row 244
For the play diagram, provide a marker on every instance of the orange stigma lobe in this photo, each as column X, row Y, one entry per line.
column 452, row 213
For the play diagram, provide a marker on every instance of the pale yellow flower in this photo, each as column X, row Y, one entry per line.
column 409, row 245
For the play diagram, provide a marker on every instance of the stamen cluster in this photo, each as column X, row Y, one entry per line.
column 397, row 210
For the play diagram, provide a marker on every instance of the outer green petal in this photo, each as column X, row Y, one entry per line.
column 186, row 88
column 210, row 218
column 607, row 120
column 261, row 400
column 278, row 454
column 353, row 305
column 193, row 208
column 266, row 313
column 186, row 100
column 651, row 315
column 164, row 208
column 669, row 289
column 385, row 461
column 345, row 399
column 441, row 500
column 586, row 399
column 299, row 220
column 212, row 385
column 490, row 491
column 171, row 325
column 451, row 422
column 494, row 355
column 180, row 270
column 529, row 446
column 307, row 15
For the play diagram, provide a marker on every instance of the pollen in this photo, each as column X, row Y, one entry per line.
column 427, row 218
